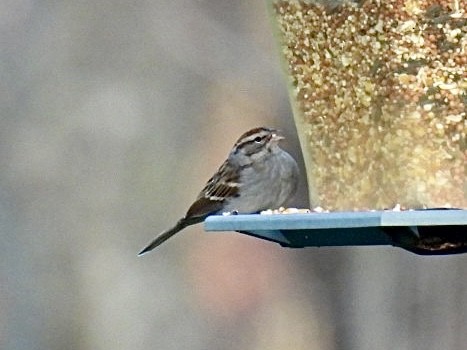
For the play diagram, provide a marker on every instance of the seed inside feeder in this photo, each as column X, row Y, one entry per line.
column 379, row 92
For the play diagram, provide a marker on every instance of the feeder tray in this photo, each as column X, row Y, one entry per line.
column 424, row 232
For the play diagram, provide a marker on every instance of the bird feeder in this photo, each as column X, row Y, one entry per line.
column 378, row 90
column 379, row 93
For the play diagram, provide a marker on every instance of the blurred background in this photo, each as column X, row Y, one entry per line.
column 113, row 116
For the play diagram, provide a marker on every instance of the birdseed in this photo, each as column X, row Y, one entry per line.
column 379, row 92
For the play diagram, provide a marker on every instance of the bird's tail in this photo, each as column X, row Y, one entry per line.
column 163, row 236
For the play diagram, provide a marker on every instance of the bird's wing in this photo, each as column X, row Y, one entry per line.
column 223, row 185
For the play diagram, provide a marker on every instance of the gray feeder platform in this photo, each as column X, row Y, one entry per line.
column 427, row 232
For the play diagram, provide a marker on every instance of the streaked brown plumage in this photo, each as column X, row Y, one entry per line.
column 257, row 175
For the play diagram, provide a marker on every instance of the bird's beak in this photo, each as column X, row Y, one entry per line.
column 277, row 137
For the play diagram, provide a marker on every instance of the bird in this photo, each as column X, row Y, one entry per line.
column 257, row 175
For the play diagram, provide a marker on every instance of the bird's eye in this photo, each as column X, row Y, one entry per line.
column 257, row 139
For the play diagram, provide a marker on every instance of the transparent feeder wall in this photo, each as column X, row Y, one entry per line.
column 378, row 90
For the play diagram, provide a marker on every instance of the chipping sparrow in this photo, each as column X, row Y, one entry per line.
column 257, row 175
